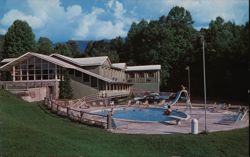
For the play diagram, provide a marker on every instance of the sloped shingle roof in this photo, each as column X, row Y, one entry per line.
column 119, row 65
column 89, row 61
column 6, row 60
column 143, row 68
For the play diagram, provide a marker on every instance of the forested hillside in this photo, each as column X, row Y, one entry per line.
column 171, row 41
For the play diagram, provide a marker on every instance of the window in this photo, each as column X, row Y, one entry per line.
column 24, row 77
column 37, row 60
column 85, row 78
column 78, row 73
column 93, row 82
column 45, row 71
column 35, row 69
column 45, row 77
column 17, row 78
column 71, row 71
column 151, row 74
column 51, row 76
column 141, row 75
column 31, row 72
column 51, row 71
column 131, row 75
column 31, row 77
column 38, row 77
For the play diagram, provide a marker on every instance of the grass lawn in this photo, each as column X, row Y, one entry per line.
column 28, row 130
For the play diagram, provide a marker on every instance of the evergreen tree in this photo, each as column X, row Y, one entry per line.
column 65, row 87
column 103, row 48
column 63, row 49
column 74, row 48
column 44, row 46
column 19, row 39
column 1, row 46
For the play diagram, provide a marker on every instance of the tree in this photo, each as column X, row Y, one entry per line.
column 178, row 17
column 74, row 48
column 102, row 48
column 19, row 39
column 44, row 46
column 63, row 49
column 65, row 87
column 1, row 46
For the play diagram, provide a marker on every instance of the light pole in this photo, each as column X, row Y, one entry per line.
column 188, row 69
column 204, row 78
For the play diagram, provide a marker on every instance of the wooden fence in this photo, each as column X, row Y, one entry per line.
column 76, row 115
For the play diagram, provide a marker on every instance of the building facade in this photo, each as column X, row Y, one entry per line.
column 35, row 76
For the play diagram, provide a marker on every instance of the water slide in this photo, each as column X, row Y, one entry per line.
column 177, row 98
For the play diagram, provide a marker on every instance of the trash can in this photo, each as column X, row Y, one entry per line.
column 194, row 126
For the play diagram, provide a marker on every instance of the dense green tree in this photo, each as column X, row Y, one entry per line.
column 19, row 39
column 102, row 48
column 63, row 49
column 167, row 41
column 1, row 46
column 65, row 89
column 74, row 48
column 173, row 42
column 44, row 46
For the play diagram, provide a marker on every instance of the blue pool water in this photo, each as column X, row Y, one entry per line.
column 146, row 114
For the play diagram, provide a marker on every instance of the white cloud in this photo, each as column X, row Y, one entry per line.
column 12, row 15
column 204, row 11
column 118, row 10
column 229, row 10
column 110, row 3
column 87, row 22
column 74, row 11
column 49, row 18
column 92, row 26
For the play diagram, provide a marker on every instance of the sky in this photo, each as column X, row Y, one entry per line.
column 62, row 20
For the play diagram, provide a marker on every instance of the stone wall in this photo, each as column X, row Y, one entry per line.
column 31, row 94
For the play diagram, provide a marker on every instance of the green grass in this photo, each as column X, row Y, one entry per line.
column 27, row 130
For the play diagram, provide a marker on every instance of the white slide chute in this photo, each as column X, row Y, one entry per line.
column 178, row 96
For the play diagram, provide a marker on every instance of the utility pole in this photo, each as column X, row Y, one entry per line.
column 204, row 77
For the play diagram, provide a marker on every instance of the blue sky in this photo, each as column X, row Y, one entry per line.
column 62, row 20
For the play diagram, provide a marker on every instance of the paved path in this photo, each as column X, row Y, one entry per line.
column 216, row 121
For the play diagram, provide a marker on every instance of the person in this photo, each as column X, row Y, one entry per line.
column 242, row 109
column 183, row 87
column 112, row 111
column 168, row 110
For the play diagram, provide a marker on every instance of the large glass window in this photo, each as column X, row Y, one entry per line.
column 35, row 69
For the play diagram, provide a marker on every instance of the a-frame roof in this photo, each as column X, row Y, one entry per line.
column 52, row 60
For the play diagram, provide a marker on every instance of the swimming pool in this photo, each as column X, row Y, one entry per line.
column 144, row 114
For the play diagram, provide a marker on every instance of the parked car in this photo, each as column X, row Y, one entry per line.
column 151, row 98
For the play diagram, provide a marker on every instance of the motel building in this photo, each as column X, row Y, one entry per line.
column 34, row 76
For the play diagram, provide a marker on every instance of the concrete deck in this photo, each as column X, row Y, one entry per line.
column 220, row 120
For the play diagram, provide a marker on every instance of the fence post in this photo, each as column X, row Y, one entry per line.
column 67, row 111
column 109, row 121
column 81, row 113
column 45, row 101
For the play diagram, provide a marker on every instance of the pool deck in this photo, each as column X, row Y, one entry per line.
column 220, row 120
